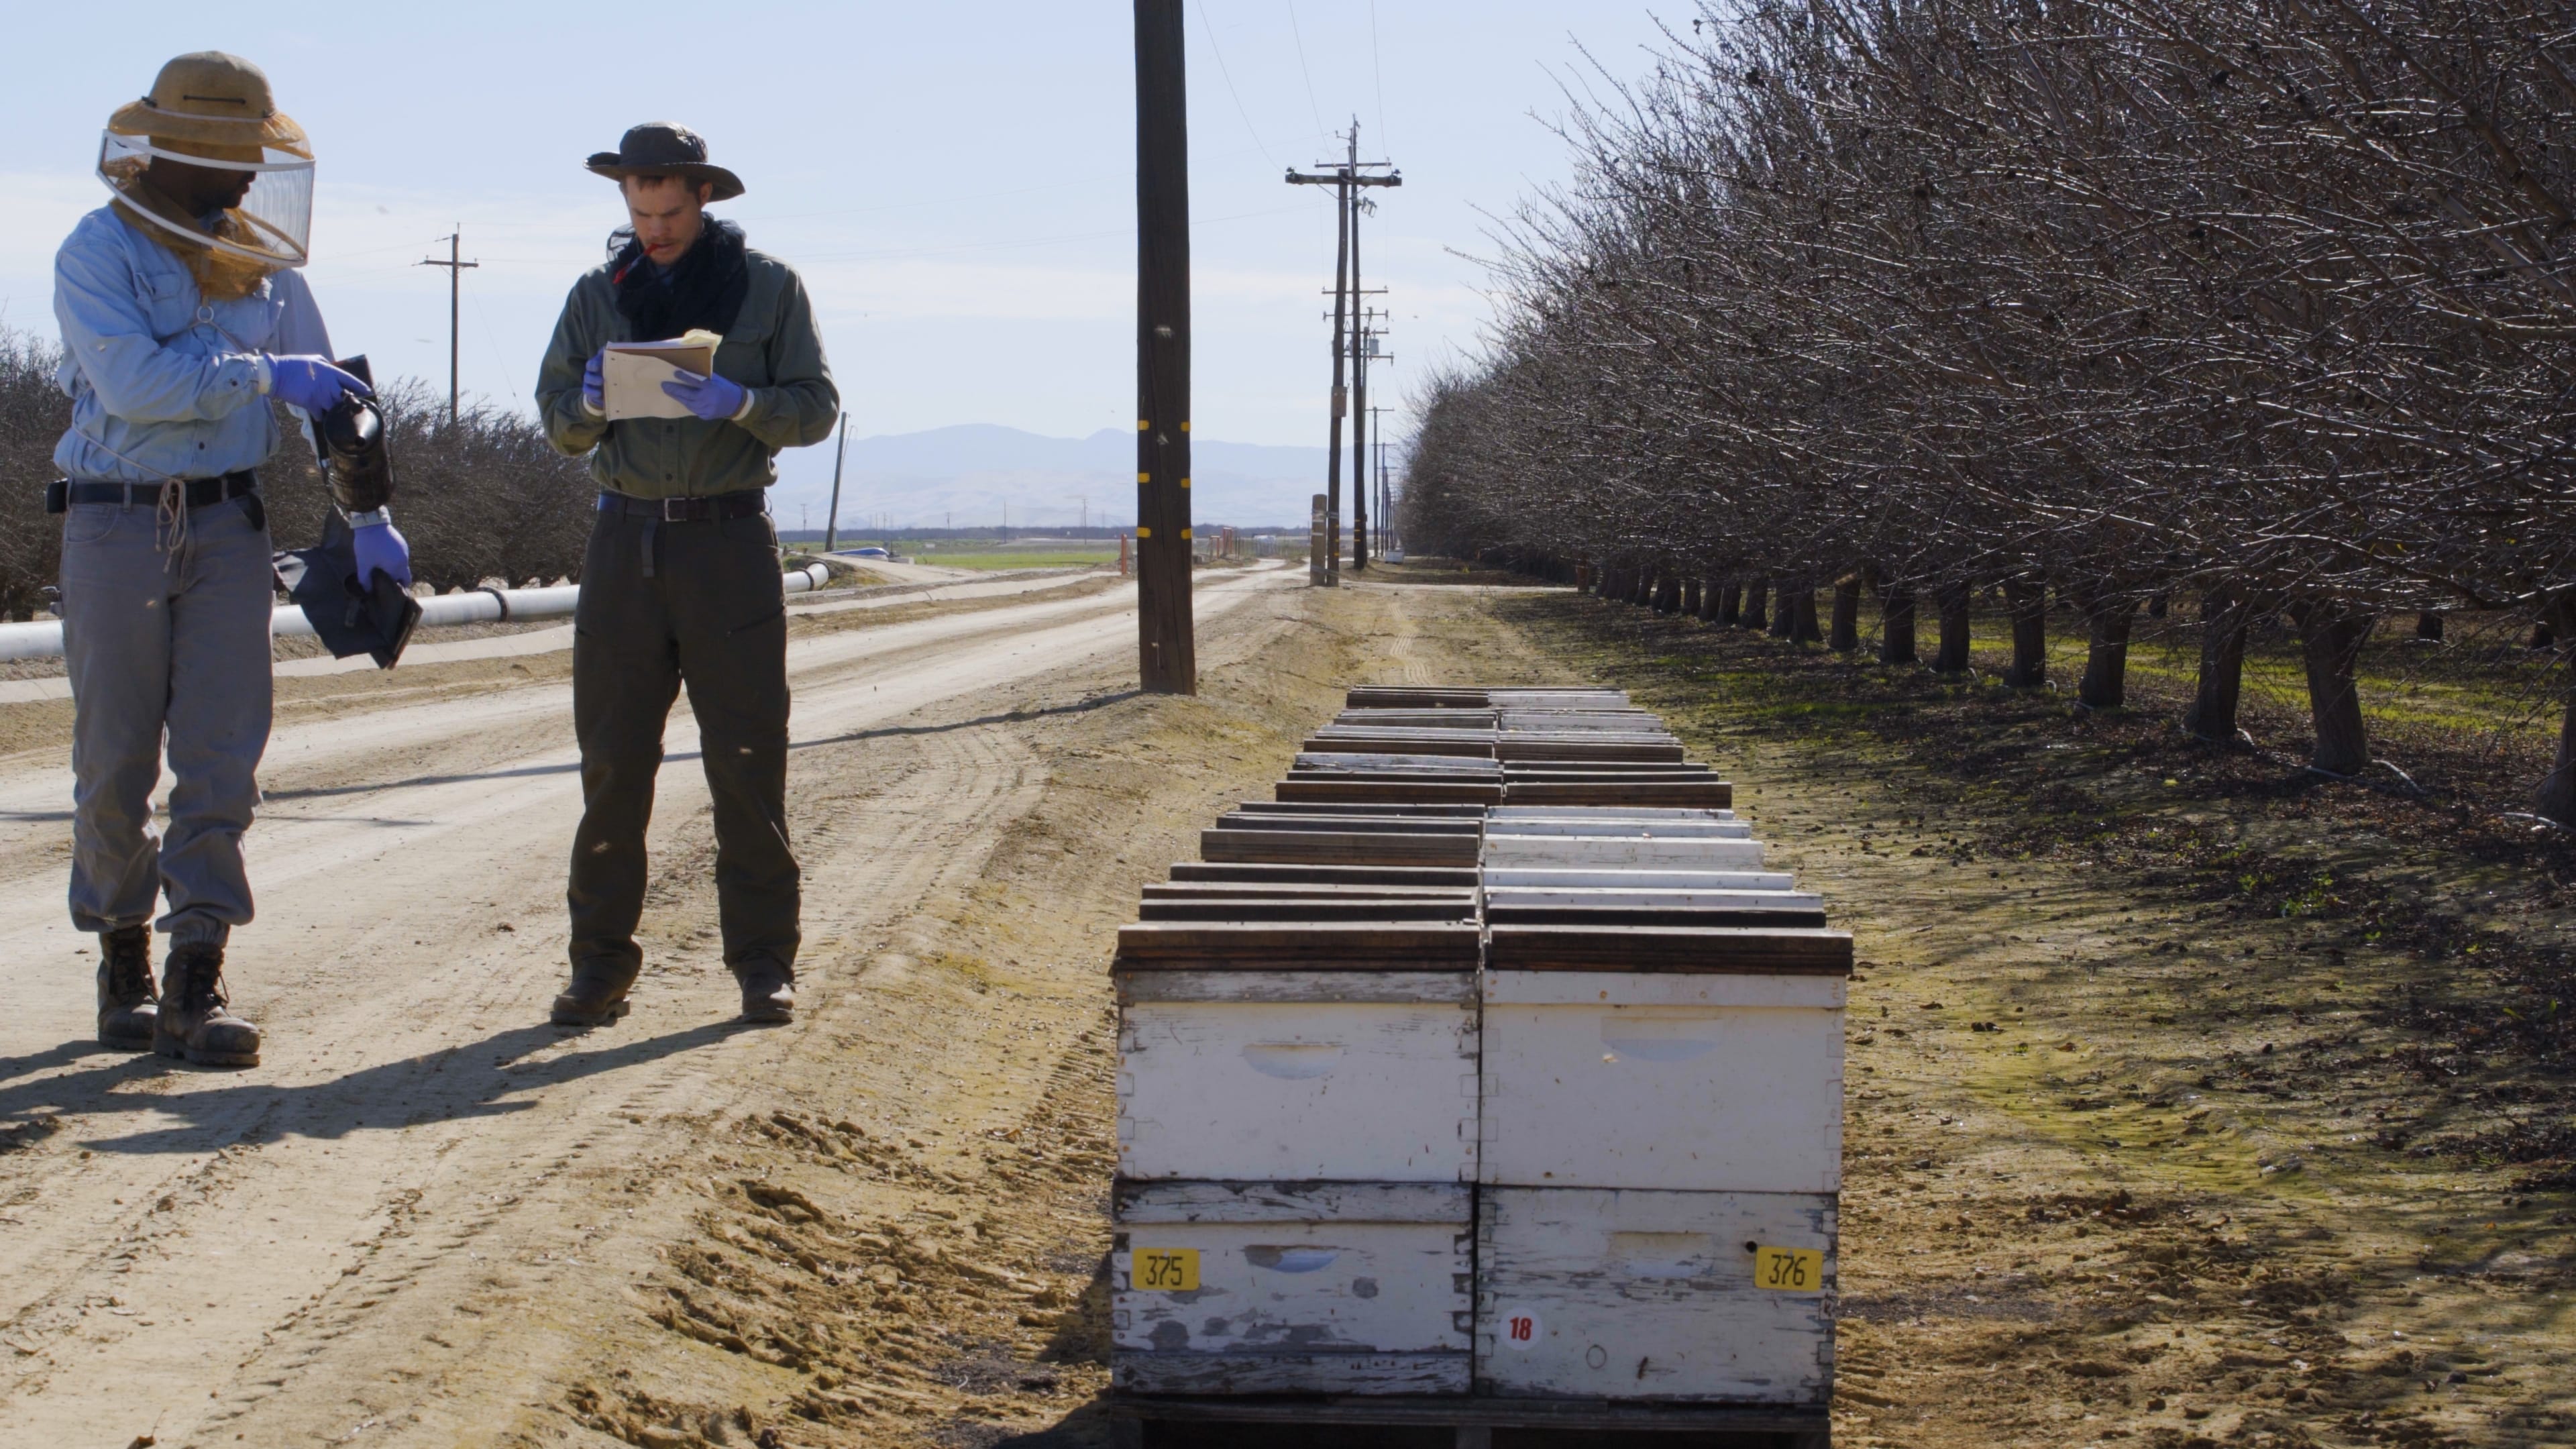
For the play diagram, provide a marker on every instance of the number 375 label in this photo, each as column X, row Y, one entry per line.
column 1789, row 1270
column 1165, row 1270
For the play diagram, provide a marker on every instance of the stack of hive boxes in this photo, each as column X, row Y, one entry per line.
column 1493, row 747
column 1426, row 1091
column 1297, row 1110
column 1661, row 1119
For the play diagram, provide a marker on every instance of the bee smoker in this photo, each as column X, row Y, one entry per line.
column 349, row 441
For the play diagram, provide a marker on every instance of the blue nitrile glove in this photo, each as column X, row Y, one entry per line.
column 311, row 383
column 594, row 390
column 712, row 398
column 381, row 550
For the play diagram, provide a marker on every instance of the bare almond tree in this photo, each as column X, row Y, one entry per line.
column 2264, row 304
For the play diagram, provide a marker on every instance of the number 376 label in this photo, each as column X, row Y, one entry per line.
column 1789, row 1270
column 1165, row 1270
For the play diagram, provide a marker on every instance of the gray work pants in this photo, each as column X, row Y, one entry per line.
column 663, row 605
column 162, row 645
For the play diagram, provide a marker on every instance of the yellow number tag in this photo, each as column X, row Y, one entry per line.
column 1789, row 1270
column 1166, row 1270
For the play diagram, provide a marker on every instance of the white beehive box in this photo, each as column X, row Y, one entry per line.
column 1714, row 1079
column 1580, row 878
column 1638, row 851
column 1625, row 829
column 1351, row 1288
column 1614, row 1294
column 1272, row 1075
column 1510, row 814
column 1709, row 900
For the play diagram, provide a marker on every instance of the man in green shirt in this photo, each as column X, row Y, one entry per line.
column 680, row 583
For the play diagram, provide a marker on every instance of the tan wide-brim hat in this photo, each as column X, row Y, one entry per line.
column 213, row 105
column 665, row 148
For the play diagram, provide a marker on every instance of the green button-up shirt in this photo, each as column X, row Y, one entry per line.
column 773, row 351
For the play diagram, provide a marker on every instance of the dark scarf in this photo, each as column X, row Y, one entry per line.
column 706, row 289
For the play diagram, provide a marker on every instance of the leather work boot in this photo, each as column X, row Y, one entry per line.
column 597, row 995
column 768, row 990
column 193, row 1022
column 127, row 1009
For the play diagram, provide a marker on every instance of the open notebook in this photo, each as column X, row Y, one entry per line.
column 632, row 374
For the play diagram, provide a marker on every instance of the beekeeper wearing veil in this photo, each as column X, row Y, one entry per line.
column 181, row 314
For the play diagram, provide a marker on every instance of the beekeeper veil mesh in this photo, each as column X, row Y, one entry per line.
column 239, row 173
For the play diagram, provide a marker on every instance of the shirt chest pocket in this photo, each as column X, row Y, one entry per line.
column 177, row 313
column 170, row 301
column 744, row 357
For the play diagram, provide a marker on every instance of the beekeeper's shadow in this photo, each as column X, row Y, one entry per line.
column 497, row 1075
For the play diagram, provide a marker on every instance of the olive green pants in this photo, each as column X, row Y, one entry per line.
column 664, row 605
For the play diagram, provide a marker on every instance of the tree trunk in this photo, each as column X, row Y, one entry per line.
column 1757, row 601
column 2428, row 626
column 1690, row 597
column 2106, row 660
column 2542, row 636
column 1668, row 594
column 1642, row 592
column 1784, row 609
column 2026, row 599
column 1804, row 631
column 1953, row 655
column 1895, row 624
column 2556, row 798
column 1730, row 603
column 1710, row 592
column 2331, row 638
column 1846, row 631
column 2224, row 619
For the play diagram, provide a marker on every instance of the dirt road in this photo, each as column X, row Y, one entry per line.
column 420, row 1219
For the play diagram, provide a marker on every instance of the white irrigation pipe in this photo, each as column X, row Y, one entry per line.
column 44, row 639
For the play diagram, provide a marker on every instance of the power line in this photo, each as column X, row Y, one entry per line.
column 1208, row 26
column 492, row 340
column 1300, row 36
column 1378, row 73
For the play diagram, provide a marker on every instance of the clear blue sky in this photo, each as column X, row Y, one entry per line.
column 954, row 181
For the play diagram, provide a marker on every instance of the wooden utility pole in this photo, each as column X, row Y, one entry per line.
column 832, row 525
column 1345, row 177
column 1385, row 508
column 1169, row 656
column 456, row 271
column 1359, row 388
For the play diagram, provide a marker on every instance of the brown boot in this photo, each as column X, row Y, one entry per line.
column 193, row 1022
column 597, row 995
column 768, row 989
column 127, row 1009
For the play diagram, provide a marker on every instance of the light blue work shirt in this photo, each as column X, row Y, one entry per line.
column 156, row 372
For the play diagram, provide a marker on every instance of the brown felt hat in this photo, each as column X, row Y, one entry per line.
column 665, row 148
column 213, row 105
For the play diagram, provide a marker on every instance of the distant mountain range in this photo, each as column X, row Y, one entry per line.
column 965, row 475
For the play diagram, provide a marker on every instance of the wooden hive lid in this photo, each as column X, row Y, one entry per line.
column 1297, row 945
column 1746, row 950
column 1463, row 876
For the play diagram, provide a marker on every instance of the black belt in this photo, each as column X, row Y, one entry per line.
column 201, row 492
column 746, row 503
